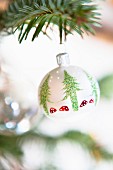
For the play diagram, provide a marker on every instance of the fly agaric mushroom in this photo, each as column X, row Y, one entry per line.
column 64, row 108
column 83, row 103
column 52, row 110
column 91, row 101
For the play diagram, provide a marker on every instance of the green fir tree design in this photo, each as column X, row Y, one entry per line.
column 94, row 87
column 71, row 88
column 44, row 94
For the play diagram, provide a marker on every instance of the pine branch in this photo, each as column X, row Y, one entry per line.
column 106, row 86
column 88, row 143
column 68, row 15
column 12, row 144
column 9, row 144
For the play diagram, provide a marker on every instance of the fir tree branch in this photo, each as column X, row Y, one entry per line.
column 13, row 144
column 106, row 86
column 9, row 144
column 68, row 15
column 88, row 143
column 84, row 140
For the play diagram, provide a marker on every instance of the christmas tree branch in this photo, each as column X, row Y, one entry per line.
column 106, row 86
column 68, row 15
column 12, row 144
column 88, row 143
column 9, row 144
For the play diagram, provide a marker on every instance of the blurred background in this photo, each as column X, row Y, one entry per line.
column 48, row 145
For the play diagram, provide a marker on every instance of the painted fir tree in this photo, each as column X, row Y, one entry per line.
column 44, row 94
column 71, row 87
column 94, row 87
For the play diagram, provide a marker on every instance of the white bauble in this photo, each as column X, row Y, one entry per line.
column 67, row 90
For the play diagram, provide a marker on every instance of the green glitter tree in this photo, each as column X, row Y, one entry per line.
column 71, row 88
column 44, row 94
column 94, row 87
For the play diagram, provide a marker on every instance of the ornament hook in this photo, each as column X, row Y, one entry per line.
column 63, row 59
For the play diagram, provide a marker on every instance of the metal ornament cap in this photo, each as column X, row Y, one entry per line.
column 63, row 59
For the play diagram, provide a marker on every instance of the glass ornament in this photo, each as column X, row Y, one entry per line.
column 18, row 107
column 67, row 90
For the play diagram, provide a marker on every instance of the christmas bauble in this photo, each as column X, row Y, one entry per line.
column 67, row 90
column 18, row 109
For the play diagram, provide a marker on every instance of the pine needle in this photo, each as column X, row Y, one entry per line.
column 68, row 15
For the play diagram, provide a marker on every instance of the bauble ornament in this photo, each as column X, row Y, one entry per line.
column 67, row 90
column 18, row 111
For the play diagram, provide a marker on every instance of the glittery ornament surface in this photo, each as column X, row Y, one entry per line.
column 71, row 87
column 44, row 94
column 94, row 87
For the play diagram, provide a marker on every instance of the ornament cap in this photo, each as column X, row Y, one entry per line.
column 63, row 59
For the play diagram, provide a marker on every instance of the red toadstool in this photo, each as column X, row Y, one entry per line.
column 52, row 110
column 84, row 102
column 91, row 101
column 64, row 108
